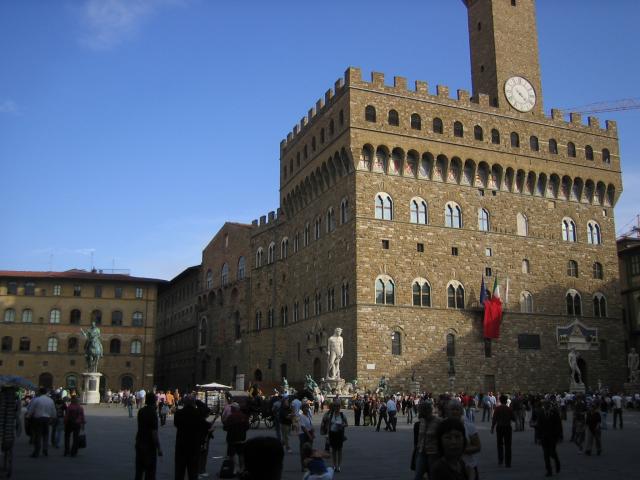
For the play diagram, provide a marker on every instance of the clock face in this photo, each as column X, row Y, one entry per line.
column 520, row 94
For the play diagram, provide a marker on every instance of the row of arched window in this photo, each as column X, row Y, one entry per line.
column 438, row 127
column 304, row 153
column 73, row 345
column 75, row 317
column 419, row 214
column 330, row 224
column 224, row 274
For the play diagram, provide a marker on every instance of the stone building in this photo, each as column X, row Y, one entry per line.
column 177, row 331
column 629, row 258
column 43, row 314
column 395, row 201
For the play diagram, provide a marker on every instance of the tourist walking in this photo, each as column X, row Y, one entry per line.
column 425, row 440
column 191, row 428
column 604, row 410
column 74, row 421
column 382, row 415
column 236, row 425
column 307, row 434
column 501, row 424
column 147, row 441
column 285, row 415
column 473, row 446
column 617, row 410
column 357, row 410
column 549, row 429
column 392, row 413
column 333, row 424
column 58, row 426
column 41, row 412
column 593, row 422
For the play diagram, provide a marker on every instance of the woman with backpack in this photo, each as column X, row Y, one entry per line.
column 333, row 424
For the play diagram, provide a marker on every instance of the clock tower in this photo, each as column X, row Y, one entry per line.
column 504, row 53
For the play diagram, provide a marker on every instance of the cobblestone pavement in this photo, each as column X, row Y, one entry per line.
column 367, row 454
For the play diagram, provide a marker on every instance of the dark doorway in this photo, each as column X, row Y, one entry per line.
column 317, row 369
column 257, row 375
column 45, row 380
column 582, row 365
column 489, row 383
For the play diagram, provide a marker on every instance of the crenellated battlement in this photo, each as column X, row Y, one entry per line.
column 420, row 91
column 269, row 220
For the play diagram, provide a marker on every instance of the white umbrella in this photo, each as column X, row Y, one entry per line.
column 214, row 385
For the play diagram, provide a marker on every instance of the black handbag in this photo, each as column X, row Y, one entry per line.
column 82, row 440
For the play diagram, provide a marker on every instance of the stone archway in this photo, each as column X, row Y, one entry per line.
column 45, row 380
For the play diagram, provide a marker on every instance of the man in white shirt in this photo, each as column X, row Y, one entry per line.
column 40, row 412
column 617, row 409
column 392, row 412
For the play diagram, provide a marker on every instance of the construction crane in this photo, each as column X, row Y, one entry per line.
column 610, row 106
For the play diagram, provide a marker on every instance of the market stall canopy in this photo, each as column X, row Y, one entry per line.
column 215, row 386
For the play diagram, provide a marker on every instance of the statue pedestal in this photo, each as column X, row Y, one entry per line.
column 577, row 387
column 91, row 388
column 333, row 385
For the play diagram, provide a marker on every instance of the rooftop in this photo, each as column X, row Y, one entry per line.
column 77, row 274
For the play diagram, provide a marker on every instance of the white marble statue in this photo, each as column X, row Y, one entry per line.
column 632, row 362
column 575, row 369
column 335, row 352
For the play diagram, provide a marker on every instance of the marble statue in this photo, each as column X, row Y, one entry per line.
column 92, row 347
column 575, row 369
column 632, row 362
column 335, row 352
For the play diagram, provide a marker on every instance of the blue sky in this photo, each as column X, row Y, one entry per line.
column 130, row 130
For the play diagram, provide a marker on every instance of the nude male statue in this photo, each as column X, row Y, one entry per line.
column 573, row 363
column 335, row 352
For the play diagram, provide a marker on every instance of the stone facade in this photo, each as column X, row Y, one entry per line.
column 350, row 172
column 43, row 312
column 629, row 261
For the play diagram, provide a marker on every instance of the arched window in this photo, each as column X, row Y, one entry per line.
column 451, row 345
column 114, row 346
column 126, row 382
column 455, row 295
column 458, row 129
column 515, row 140
column 526, row 302
column 421, row 293
column 332, row 127
column 322, row 135
column 136, row 347
column 317, row 228
column 416, row 122
column 306, row 234
column 568, row 230
column 270, row 319
column 606, row 155
column 284, row 315
column 74, row 317
column 452, row 215
column 525, row 266
column 384, row 207
column 54, row 316
column 331, row 220
column 534, row 143
column 137, row 319
column 10, row 315
column 202, row 333
column 370, row 113
column 438, row 126
column 572, row 268
column 313, row 144
column 385, row 290
column 72, row 345
column 259, row 254
column 478, row 134
column 394, row 118
column 495, row 136
column 522, row 224
column 209, row 279
column 241, row 268
column 588, row 152
column 345, row 293
column 258, row 320
column 7, row 344
column 224, row 275
column 593, row 233
column 574, row 303
column 27, row 316
column 96, row 317
column 571, row 149
column 366, row 158
column 52, row 344
column 553, row 146
column 396, row 343
column 284, row 248
column 483, row 220
column 597, row 271
column 599, row 306
column 25, row 344
column 116, row 318
column 271, row 255
column 71, row 381
column 418, row 211
column 344, row 211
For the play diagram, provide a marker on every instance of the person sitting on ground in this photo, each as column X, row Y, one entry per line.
column 263, row 459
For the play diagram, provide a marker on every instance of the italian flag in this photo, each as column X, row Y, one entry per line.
column 493, row 312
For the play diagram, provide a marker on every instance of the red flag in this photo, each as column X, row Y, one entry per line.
column 492, row 317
